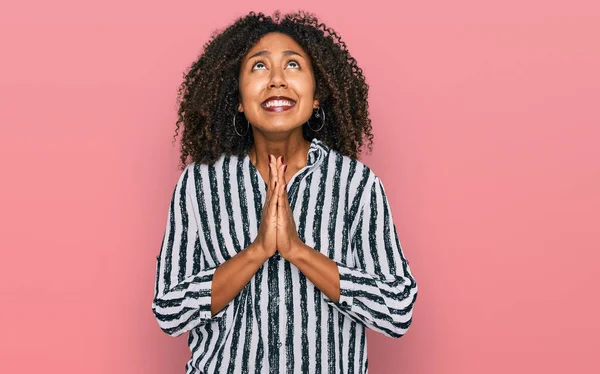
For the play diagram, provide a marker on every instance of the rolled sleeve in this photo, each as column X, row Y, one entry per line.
column 380, row 291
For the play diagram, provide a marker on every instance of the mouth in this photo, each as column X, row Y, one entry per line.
column 278, row 104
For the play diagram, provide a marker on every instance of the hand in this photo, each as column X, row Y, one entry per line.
column 288, row 241
column 266, row 239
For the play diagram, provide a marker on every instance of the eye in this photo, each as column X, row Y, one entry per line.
column 294, row 62
column 258, row 63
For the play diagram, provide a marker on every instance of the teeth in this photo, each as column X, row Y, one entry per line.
column 278, row 103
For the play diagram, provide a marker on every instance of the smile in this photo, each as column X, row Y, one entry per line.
column 278, row 104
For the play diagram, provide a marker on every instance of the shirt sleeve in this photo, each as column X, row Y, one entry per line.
column 379, row 291
column 183, row 288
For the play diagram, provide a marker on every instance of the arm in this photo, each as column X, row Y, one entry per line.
column 380, row 291
column 187, row 295
column 233, row 275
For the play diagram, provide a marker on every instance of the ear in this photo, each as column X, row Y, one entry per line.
column 315, row 104
column 240, row 108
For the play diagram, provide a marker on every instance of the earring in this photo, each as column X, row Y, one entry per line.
column 318, row 115
column 235, row 127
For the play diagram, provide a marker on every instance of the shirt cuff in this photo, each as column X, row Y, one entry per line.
column 206, row 314
column 204, row 303
column 346, row 289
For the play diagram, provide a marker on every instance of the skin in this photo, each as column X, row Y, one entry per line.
column 271, row 74
column 279, row 152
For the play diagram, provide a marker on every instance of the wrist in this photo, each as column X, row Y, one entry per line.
column 256, row 254
column 297, row 253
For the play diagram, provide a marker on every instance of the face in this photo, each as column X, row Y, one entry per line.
column 277, row 84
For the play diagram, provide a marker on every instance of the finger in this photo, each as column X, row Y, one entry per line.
column 278, row 163
column 274, row 170
column 281, row 202
column 288, row 212
column 283, row 180
column 284, row 175
column 272, row 176
column 272, row 208
column 281, row 184
column 280, row 172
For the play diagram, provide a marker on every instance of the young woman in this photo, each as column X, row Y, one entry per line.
column 280, row 247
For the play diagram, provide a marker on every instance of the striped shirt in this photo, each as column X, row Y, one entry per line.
column 280, row 322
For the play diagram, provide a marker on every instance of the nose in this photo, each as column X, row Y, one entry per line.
column 277, row 79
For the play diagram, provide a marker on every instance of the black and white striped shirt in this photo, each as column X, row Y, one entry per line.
column 280, row 322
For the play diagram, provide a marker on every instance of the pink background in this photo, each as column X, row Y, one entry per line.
column 487, row 123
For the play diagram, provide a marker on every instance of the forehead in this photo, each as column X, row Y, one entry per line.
column 275, row 42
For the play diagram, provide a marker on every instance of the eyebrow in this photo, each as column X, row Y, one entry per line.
column 285, row 53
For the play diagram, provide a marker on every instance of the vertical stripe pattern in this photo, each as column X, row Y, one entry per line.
column 280, row 322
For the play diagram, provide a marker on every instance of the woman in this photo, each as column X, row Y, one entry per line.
column 280, row 248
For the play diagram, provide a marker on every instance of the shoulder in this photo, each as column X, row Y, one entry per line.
column 359, row 179
column 356, row 171
column 199, row 174
column 197, row 168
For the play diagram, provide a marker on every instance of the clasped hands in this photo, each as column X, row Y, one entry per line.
column 277, row 230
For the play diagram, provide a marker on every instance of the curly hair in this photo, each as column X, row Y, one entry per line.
column 209, row 94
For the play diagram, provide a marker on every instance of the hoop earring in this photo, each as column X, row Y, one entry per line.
column 317, row 115
column 235, row 127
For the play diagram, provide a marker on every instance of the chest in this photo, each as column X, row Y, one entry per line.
column 229, row 220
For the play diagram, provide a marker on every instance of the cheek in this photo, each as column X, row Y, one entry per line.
column 250, row 90
column 305, row 85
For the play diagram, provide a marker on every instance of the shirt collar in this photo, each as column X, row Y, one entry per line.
column 317, row 152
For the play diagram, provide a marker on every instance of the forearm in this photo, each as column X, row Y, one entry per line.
column 319, row 269
column 233, row 275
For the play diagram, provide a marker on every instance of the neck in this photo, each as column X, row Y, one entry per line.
column 292, row 146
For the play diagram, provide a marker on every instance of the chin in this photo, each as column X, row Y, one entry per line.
column 280, row 125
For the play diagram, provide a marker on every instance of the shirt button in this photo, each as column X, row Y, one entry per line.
column 278, row 344
column 344, row 303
